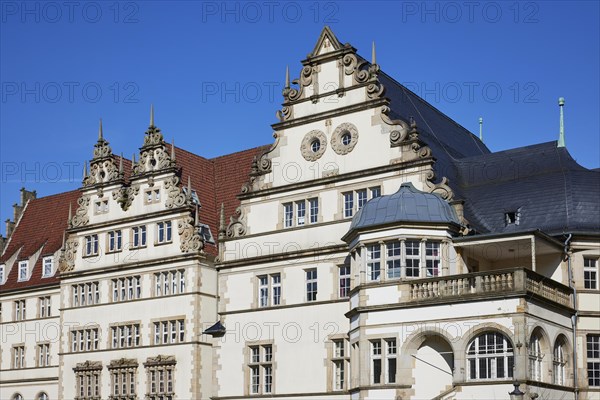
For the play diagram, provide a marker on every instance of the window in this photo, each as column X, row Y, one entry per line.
column 358, row 199
column 87, row 380
column 152, row 196
column 126, row 288
column 311, row 284
column 44, row 307
column 294, row 214
column 85, row 294
column 383, row 361
column 83, row 340
column 559, row 363
column 590, row 273
column 2, row 269
column 91, row 245
column 159, row 375
column 23, row 270
column 394, row 259
column 490, row 356
column 101, row 206
column 169, row 282
column 314, row 210
column 123, row 336
column 115, row 241
column 340, row 363
column 413, row 258
column 172, row 331
column 344, row 280
column 376, row 361
column 260, row 365
column 391, row 352
column 163, row 232
column 18, row 357
column 373, row 262
column 269, row 284
column 593, row 359
column 43, row 355
column 20, row 311
column 432, row 259
column 535, row 358
column 139, row 236
column 123, row 375
column 48, row 267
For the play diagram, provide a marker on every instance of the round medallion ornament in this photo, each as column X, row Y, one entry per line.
column 313, row 145
column 344, row 138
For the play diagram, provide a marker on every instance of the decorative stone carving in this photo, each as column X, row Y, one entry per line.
column 66, row 260
column 160, row 360
column 123, row 363
column 237, row 224
column 175, row 195
column 306, row 79
column 125, row 195
column 261, row 165
column 306, row 145
column 153, row 154
column 287, row 112
column 88, row 365
column 81, row 217
column 337, row 138
column 442, row 188
column 189, row 235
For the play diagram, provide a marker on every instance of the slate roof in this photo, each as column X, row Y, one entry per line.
column 408, row 204
column 543, row 182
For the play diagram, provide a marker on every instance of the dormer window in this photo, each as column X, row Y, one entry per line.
column 48, row 265
column 23, row 270
column 512, row 217
column 152, row 196
column 2, row 268
column 102, row 206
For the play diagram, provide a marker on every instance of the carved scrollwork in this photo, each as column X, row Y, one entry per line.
column 160, row 360
column 307, row 147
column 306, row 79
column 285, row 113
column 340, row 134
column 189, row 235
column 125, row 195
column 153, row 137
column 352, row 66
column 88, row 365
column 175, row 195
column 237, row 224
column 81, row 217
column 375, row 90
column 442, row 188
column 66, row 260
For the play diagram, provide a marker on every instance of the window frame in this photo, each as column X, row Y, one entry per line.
column 593, row 361
column 164, row 232
column 590, row 273
column 507, row 355
column 91, row 245
column 139, row 237
column 344, row 276
column 260, row 369
column 47, row 262
column 23, row 266
column 311, row 292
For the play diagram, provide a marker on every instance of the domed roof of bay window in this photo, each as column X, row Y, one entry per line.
column 408, row 204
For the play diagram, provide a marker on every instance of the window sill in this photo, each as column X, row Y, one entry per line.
column 156, row 244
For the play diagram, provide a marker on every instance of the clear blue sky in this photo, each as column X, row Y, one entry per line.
column 214, row 72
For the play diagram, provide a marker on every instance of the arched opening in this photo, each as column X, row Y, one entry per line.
column 560, row 360
column 433, row 368
column 17, row 396
column 490, row 356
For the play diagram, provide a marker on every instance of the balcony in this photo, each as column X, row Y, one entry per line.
column 488, row 284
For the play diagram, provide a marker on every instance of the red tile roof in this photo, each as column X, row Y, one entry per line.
column 41, row 227
column 217, row 180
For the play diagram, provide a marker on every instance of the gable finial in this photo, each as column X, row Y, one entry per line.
column 373, row 56
column 133, row 161
column 85, row 174
column 173, row 149
column 189, row 187
column 100, row 135
column 561, row 136
column 222, row 218
column 481, row 129
column 196, row 219
column 151, row 114
column 121, row 164
column 70, row 213
column 287, row 77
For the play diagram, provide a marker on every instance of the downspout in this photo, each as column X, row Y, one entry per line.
column 574, row 317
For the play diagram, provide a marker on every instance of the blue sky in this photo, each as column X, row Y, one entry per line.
column 214, row 72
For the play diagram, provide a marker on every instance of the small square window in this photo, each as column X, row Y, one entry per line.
column 101, row 206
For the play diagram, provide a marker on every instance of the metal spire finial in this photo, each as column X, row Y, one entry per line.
column 287, row 77
column 196, row 219
column 373, row 57
column 100, row 135
column 481, row 129
column 85, row 174
column 561, row 136
column 121, row 164
column 173, row 149
column 151, row 114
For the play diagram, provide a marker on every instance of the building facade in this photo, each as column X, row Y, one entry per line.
column 375, row 250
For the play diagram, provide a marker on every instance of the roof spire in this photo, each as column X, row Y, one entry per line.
column 64, row 244
column 151, row 114
column 85, row 169
column 373, row 57
column 121, row 164
column 70, row 212
column 481, row 129
column 133, row 161
column 173, row 149
column 189, row 187
column 222, row 218
column 561, row 136
column 287, row 77
column 100, row 137
column 196, row 219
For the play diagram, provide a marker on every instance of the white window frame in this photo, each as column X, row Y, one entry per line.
column 312, row 284
column 2, row 273
column 269, row 290
column 313, row 210
column 373, row 260
column 45, row 308
column 20, row 310
column 413, row 259
column 433, row 259
column 352, row 201
column 43, row 355
column 593, row 363
column 492, row 357
column 18, row 356
column 535, row 357
column 590, row 273
column 152, row 196
column 91, row 245
column 23, row 271
column 101, row 206
column 47, row 267
column 115, row 240
column 393, row 260
column 340, row 364
column 344, row 275
column 260, row 369
column 559, row 363
column 164, row 232
column 139, row 237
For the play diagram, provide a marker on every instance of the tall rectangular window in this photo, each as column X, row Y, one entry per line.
column 344, row 280
column 2, row 274
column 44, row 307
column 269, row 290
column 91, row 245
column 362, row 197
column 87, row 380
column 263, row 290
column 115, row 240
column 413, row 258
column 276, row 289
column 300, row 212
column 288, row 215
column 340, row 363
column 311, row 284
column 593, row 359
column 432, row 258
column 20, row 311
column 348, row 204
column 18, row 357
column 138, row 236
column 123, row 379
column 43, row 355
column 260, row 368
column 164, row 234
column 48, row 267
column 391, row 360
column 376, row 361
column 394, row 259
column 23, row 270
column 590, row 273
column 314, row 210
column 373, row 262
